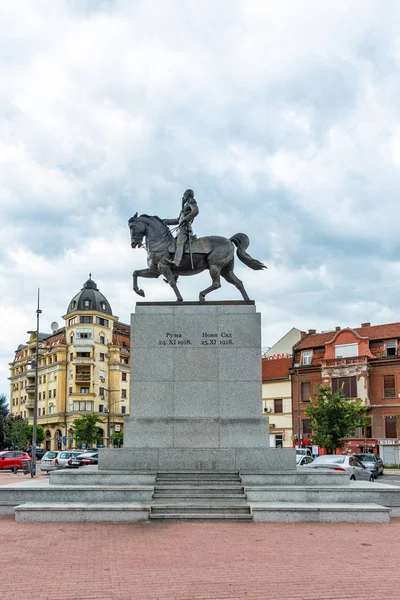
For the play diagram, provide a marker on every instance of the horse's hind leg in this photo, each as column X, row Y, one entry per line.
column 216, row 282
column 230, row 277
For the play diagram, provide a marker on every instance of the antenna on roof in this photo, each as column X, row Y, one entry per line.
column 54, row 326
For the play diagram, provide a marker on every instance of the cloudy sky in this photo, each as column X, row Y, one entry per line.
column 282, row 116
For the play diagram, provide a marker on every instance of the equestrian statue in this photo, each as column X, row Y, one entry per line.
column 185, row 254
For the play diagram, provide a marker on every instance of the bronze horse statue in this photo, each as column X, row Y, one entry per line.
column 214, row 253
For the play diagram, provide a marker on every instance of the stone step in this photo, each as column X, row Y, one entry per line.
column 287, row 512
column 198, row 507
column 187, row 489
column 197, row 476
column 198, row 482
column 82, row 512
column 201, row 517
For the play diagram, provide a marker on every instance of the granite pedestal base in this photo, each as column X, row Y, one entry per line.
column 195, row 398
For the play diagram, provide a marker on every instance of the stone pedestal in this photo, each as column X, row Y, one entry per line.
column 196, row 391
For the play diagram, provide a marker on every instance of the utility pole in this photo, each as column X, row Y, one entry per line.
column 298, row 409
column 110, row 404
column 35, row 401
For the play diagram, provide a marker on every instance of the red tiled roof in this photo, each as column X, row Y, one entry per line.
column 373, row 332
column 275, row 368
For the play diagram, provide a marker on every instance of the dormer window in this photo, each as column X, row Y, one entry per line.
column 306, row 358
column 86, row 303
column 390, row 349
column 346, row 350
column 103, row 306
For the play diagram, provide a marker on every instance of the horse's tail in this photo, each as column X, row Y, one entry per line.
column 242, row 242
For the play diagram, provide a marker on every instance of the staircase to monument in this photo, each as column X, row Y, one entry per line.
column 199, row 496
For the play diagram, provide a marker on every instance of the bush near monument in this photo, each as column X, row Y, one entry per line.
column 85, row 429
column 334, row 417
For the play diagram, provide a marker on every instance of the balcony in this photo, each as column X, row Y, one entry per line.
column 30, row 389
column 342, row 362
column 29, row 403
column 80, row 378
column 30, row 373
column 83, row 342
column 82, row 361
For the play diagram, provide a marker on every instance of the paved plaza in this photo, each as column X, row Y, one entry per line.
column 199, row 561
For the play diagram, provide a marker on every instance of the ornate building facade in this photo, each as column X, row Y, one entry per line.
column 83, row 368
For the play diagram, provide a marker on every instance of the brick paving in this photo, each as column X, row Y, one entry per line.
column 8, row 478
column 199, row 561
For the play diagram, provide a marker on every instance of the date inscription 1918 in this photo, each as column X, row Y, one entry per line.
column 207, row 339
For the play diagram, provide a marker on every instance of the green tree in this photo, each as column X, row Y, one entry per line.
column 3, row 414
column 117, row 439
column 85, row 429
column 40, row 434
column 334, row 417
column 16, row 431
column 3, row 405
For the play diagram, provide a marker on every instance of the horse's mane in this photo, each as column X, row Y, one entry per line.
column 154, row 217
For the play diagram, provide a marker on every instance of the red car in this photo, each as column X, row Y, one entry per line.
column 12, row 459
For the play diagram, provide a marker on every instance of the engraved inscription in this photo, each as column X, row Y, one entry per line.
column 208, row 338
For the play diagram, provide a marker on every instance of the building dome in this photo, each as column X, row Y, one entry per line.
column 90, row 298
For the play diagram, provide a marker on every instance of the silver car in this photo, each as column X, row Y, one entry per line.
column 341, row 462
column 57, row 459
column 303, row 459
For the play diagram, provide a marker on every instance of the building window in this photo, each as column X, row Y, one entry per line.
column 101, row 407
column 103, row 306
column 40, row 395
column 390, row 349
column 71, row 374
column 346, row 350
column 102, row 339
column 40, row 379
column 54, row 393
column 87, row 406
column 278, row 440
column 101, row 391
column 123, row 393
column 49, row 393
column 39, row 412
column 123, row 376
column 86, row 319
column 86, row 303
column 390, row 427
column 44, row 378
column 71, row 339
column 305, row 391
column 389, row 386
column 102, row 356
column 70, row 391
column 84, row 390
column 55, row 358
column 277, row 406
column 84, row 333
column 72, row 321
column 44, row 395
column 346, row 385
column 306, row 357
column 307, row 426
column 101, row 321
column 123, row 409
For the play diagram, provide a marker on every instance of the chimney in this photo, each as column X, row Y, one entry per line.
column 312, row 331
column 302, row 334
column 337, row 328
column 365, row 324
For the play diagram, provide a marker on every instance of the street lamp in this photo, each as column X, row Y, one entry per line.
column 35, row 396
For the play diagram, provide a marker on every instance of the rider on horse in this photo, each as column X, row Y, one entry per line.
column 189, row 211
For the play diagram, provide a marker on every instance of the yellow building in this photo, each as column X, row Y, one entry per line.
column 83, row 368
column 277, row 400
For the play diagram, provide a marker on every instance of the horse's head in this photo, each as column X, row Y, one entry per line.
column 138, row 231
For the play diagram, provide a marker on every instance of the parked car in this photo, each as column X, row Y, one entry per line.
column 40, row 452
column 12, row 459
column 56, row 459
column 87, row 458
column 303, row 451
column 303, row 459
column 372, row 461
column 342, row 462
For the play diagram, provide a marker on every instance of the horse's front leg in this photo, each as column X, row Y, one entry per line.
column 143, row 273
column 170, row 277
